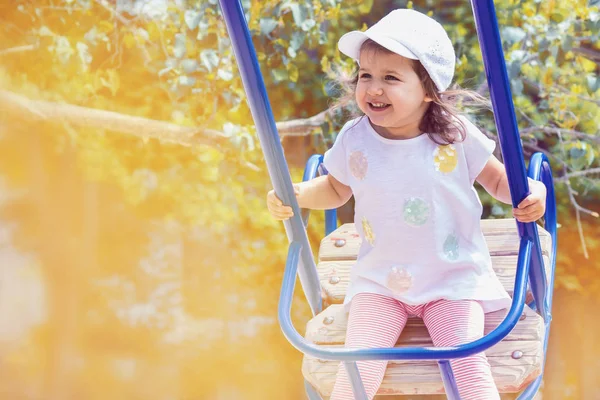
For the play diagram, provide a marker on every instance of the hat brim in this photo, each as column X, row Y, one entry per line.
column 350, row 43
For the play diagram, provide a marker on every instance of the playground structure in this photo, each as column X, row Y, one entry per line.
column 523, row 256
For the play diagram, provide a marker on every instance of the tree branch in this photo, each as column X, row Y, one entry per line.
column 138, row 126
column 100, row 119
column 557, row 131
column 578, row 174
column 567, row 91
column 592, row 54
column 578, row 208
column 18, row 49
column 303, row 126
column 113, row 11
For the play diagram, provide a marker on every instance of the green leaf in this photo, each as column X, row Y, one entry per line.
column 308, row 24
column 293, row 72
column 291, row 52
column 192, row 18
column 299, row 13
column 297, row 40
column 267, row 25
column 365, row 6
column 279, row 75
column 557, row 16
column 513, row 34
column 567, row 43
column 209, row 58
column 225, row 75
column 189, row 65
column 187, row 80
column 179, row 49
column 517, row 87
column 514, row 69
column 518, row 55
column 581, row 155
column 593, row 82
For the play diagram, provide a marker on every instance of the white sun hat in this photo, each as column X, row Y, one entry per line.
column 410, row 34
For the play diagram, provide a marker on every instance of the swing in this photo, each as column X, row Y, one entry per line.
column 523, row 257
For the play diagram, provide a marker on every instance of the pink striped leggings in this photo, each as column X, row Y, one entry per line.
column 376, row 321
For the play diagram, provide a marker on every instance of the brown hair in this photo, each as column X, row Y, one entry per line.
column 441, row 120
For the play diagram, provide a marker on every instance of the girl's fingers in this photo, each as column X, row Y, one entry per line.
column 282, row 216
column 281, row 212
column 536, row 207
column 525, row 203
column 276, row 202
column 281, row 209
column 528, row 216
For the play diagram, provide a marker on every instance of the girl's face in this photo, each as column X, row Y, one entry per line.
column 390, row 93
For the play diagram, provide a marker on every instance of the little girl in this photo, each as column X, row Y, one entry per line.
column 411, row 161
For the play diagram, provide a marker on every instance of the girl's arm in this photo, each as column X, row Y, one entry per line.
column 494, row 180
column 322, row 193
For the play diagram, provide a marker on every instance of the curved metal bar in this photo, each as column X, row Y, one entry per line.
column 314, row 167
column 330, row 221
column 358, row 389
column 270, row 142
column 448, row 380
column 540, row 169
column 311, row 393
column 404, row 353
column 310, row 171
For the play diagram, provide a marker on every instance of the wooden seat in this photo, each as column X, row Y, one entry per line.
column 515, row 362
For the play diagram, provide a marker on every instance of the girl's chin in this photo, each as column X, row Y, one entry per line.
column 377, row 118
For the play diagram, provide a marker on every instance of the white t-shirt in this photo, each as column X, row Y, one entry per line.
column 418, row 215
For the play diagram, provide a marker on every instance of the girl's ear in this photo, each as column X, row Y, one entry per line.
column 427, row 99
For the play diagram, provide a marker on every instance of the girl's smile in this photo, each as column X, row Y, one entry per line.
column 379, row 107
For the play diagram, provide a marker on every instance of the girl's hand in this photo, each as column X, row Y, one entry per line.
column 276, row 207
column 533, row 206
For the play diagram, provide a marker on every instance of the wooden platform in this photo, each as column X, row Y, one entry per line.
column 515, row 362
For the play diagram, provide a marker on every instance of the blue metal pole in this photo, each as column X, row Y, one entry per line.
column 358, row 389
column 508, row 133
column 311, row 393
column 271, row 144
column 448, row 379
column 330, row 221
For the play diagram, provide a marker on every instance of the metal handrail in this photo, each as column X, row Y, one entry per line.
column 404, row 353
column 314, row 167
column 539, row 169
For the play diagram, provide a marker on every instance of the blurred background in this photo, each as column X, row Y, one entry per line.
column 137, row 257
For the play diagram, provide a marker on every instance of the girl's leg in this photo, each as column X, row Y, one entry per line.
column 374, row 321
column 455, row 322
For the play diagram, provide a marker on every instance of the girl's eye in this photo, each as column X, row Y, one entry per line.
column 365, row 76
column 391, row 78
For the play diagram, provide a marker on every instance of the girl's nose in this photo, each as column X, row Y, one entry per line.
column 375, row 90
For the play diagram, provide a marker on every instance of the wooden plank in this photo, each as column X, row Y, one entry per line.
column 335, row 275
column 501, row 236
column 422, row 377
column 329, row 328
